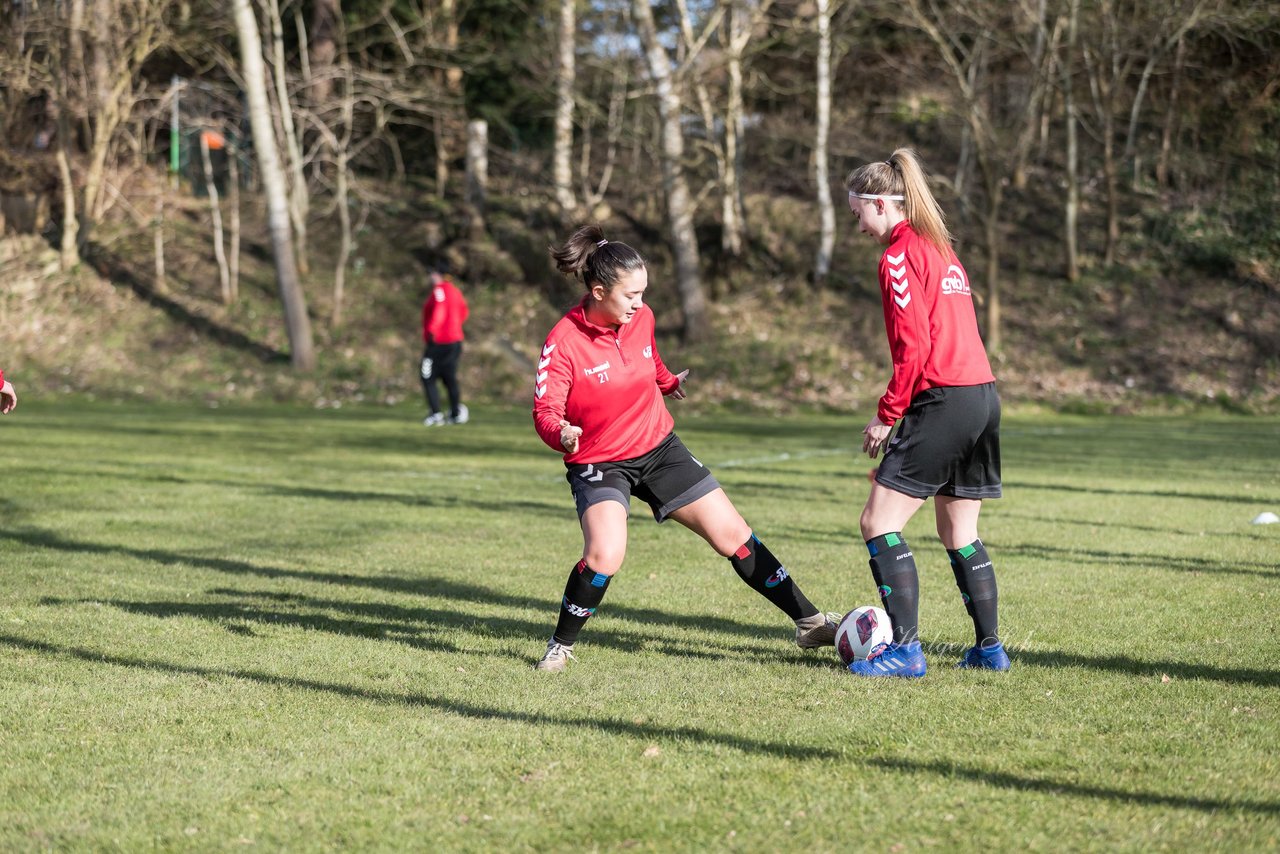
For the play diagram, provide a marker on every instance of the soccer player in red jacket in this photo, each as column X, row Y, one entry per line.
column 942, row 390
column 443, row 314
column 8, row 397
column 598, row 400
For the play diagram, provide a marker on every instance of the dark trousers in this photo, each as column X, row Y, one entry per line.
column 441, row 361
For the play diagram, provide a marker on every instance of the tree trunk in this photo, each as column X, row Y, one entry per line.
column 273, row 181
column 1112, row 181
column 731, row 210
column 233, row 202
column 323, row 48
column 69, row 255
column 562, row 172
column 477, row 175
column 211, row 187
column 679, row 205
column 157, row 229
column 827, row 217
column 992, row 228
column 1071, row 226
column 1171, row 115
column 298, row 198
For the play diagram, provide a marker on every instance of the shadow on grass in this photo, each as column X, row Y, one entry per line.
column 427, row 587
column 1141, row 493
column 647, row 732
column 421, row 587
column 629, row 729
column 1138, row 559
column 1058, row 659
column 419, row 628
column 1001, row 779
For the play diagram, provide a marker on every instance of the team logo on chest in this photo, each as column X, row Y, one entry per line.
column 648, row 352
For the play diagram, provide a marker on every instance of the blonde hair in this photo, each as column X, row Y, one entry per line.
column 902, row 175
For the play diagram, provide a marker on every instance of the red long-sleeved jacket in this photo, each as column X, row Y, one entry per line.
column 929, row 318
column 608, row 383
column 443, row 314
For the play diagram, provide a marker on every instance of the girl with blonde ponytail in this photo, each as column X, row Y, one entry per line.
column 942, row 389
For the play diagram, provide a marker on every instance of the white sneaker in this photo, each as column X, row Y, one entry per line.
column 463, row 416
column 435, row 419
column 555, row 658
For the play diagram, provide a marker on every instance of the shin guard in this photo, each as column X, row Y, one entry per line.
column 894, row 568
column 976, row 578
column 582, row 595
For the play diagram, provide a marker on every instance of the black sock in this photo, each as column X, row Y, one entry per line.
column 760, row 569
column 582, row 595
column 976, row 578
column 894, row 569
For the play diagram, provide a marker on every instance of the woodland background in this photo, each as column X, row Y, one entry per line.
column 239, row 200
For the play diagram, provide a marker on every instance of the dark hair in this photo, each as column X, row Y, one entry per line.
column 441, row 267
column 598, row 261
column 902, row 175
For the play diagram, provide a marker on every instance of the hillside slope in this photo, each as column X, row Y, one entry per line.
column 1170, row 328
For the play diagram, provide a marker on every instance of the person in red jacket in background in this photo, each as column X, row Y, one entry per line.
column 948, row 443
column 8, row 397
column 598, row 400
column 443, row 314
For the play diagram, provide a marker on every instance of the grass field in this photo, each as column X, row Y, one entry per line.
column 293, row 629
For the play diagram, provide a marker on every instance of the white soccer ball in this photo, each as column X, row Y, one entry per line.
column 861, row 631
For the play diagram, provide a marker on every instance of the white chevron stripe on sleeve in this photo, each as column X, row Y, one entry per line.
column 903, row 301
column 895, row 260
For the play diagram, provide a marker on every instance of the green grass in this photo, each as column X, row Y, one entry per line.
column 298, row 629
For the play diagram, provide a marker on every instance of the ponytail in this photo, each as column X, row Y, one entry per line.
column 589, row 255
column 902, row 175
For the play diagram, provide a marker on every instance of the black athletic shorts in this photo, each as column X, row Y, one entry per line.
column 668, row 478
column 948, row 443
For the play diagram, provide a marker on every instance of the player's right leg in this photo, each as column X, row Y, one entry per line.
column 604, row 546
column 428, row 373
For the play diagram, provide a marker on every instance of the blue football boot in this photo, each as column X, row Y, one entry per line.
column 892, row 659
column 977, row 658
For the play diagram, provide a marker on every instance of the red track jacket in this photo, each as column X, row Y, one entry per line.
column 928, row 315
column 608, row 383
column 443, row 314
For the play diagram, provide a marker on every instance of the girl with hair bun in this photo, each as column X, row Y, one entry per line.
column 598, row 401
column 943, row 391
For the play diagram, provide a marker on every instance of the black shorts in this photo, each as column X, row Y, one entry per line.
column 948, row 443
column 668, row 478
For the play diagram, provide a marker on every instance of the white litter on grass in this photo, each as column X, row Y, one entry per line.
column 1266, row 518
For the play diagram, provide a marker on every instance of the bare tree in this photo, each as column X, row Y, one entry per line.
column 215, row 209
column 1072, row 212
column 679, row 205
column 1001, row 124
column 322, row 48
column 822, row 178
column 297, row 323
column 299, row 195
column 562, row 170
